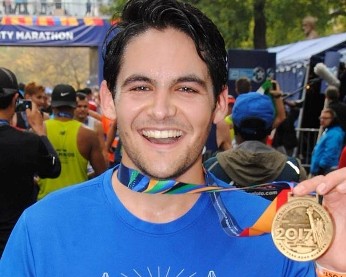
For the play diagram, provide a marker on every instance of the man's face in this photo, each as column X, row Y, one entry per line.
column 307, row 27
column 81, row 111
column 325, row 119
column 164, row 104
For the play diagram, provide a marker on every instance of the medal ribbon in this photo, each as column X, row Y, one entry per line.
column 138, row 182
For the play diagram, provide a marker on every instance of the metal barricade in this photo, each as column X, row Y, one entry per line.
column 307, row 138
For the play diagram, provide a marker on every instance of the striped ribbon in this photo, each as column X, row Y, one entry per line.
column 138, row 182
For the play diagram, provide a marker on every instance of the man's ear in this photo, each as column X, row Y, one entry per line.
column 107, row 103
column 14, row 99
column 221, row 108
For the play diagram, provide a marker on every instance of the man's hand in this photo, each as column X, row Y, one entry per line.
column 333, row 189
column 35, row 120
column 275, row 91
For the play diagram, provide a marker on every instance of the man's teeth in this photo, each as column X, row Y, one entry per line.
column 162, row 134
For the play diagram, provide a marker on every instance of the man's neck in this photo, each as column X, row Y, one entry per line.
column 63, row 116
column 82, row 120
column 6, row 115
column 155, row 208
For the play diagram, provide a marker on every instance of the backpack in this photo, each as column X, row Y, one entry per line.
column 290, row 172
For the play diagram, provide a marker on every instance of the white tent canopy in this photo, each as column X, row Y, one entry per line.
column 292, row 60
column 300, row 52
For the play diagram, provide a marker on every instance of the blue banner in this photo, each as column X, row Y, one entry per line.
column 55, row 31
column 256, row 65
column 81, row 35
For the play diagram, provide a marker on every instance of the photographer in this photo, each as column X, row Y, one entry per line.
column 35, row 94
column 24, row 155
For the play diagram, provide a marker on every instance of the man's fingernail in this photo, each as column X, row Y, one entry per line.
column 299, row 189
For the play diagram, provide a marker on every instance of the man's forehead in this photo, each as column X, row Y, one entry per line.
column 162, row 53
column 82, row 102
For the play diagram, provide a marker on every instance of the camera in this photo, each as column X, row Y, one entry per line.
column 22, row 105
column 274, row 87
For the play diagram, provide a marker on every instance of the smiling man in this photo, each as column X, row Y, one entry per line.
column 166, row 68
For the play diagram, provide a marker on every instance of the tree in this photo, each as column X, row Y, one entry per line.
column 260, row 23
column 260, row 26
column 48, row 66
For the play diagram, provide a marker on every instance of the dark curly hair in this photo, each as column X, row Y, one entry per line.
column 141, row 15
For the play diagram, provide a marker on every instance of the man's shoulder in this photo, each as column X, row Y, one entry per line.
column 85, row 130
column 335, row 130
column 17, row 135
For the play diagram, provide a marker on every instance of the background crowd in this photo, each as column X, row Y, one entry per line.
column 164, row 87
column 253, row 145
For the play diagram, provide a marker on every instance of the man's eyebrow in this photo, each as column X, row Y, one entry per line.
column 136, row 78
column 191, row 79
column 183, row 79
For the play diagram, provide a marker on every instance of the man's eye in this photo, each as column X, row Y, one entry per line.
column 140, row 88
column 188, row 90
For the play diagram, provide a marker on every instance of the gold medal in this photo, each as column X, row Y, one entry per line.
column 302, row 229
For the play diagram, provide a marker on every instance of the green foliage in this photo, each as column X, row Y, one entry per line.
column 233, row 18
column 47, row 66
column 114, row 9
column 283, row 18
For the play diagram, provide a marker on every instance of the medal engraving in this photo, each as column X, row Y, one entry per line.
column 302, row 229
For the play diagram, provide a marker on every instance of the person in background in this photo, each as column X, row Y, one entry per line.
column 109, row 124
column 333, row 102
column 43, row 7
column 326, row 153
column 75, row 143
column 47, row 99
column 7, row 6
column 92, row 105
column 18, row 5
column 166, row 68
column 253, row 162
column 242, row 85
column 88, row 8
column 308, row 26
column 81, row 114
column 36, row 94
column 228, row 119
column 285, row 138
column 23, row 156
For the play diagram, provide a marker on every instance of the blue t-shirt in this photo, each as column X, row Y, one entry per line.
column 84, row 230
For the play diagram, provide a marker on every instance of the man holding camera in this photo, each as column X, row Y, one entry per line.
column 24, row 155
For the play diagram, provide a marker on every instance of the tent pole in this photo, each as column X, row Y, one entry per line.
column 301, row 111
